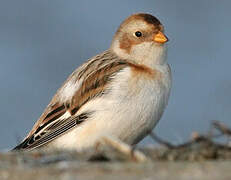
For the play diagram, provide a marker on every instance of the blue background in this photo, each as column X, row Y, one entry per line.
column 42, row 42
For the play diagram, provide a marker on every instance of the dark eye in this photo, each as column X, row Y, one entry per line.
column 138, row 34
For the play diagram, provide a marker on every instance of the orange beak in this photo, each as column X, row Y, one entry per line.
column 160, row 38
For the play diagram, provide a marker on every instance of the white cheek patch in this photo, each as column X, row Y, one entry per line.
column 69, row 89
column 141, row 48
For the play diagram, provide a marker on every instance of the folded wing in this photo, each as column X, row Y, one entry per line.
column 89, row 81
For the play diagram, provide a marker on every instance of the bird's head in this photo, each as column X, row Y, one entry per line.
column 140, row 38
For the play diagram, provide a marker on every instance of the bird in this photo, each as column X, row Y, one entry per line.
column 121, row 92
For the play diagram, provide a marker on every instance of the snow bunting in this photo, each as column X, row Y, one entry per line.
column 121, row 92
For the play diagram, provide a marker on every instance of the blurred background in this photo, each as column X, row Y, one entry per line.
column 42, row 42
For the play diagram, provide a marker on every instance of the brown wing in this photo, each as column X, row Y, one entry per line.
column 96, row 74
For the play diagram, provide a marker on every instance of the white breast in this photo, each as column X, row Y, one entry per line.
column 129, row 111
column 140, row 104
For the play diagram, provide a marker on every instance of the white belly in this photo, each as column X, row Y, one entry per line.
column 128, row 112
